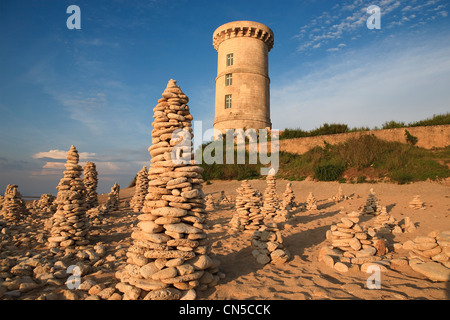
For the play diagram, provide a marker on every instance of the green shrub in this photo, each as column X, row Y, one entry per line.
column 410, row 138
column 328, row 172
column 361, row 179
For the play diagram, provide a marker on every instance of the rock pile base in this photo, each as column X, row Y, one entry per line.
column 268, row 244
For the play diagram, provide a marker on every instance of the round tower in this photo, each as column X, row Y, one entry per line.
column 242, row 83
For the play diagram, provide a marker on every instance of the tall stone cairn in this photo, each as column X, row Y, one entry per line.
column 271, row 202
column 140, row 190
column 372, row 205
column 113, row 200
column 170, row 256
column 70, row 223
column 13, row 206
column 90, row 181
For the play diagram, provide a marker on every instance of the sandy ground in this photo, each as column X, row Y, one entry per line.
column 303, row 277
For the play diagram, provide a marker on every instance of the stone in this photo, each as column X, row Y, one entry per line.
column 341, row 267
column 140, row 190
column 432, row 270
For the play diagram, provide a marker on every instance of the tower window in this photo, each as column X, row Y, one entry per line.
column 228, row 79
column 227, row 101
column 229, row 59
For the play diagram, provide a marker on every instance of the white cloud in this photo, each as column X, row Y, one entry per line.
column 61, row 154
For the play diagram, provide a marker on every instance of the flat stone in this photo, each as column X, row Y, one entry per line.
column 341, row 267
column 432, row 270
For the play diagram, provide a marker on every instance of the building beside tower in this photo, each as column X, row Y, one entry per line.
column 242, row 82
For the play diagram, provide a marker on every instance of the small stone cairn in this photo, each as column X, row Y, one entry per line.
column 113, row 200
column 268, row 244
column 372, row 206
column 311, row 202
column 416, row 203
column 46, row 204
column 289, row 198
column 69, row 224
column 340, row 196
column 141, row 190
column 209, row 202
column 170, row 256
column 351, row 245
column 224, row 200
column 13, row 208
column 90, row 181
column 248, row 216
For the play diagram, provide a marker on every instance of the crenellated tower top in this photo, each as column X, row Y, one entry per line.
column 243, row 29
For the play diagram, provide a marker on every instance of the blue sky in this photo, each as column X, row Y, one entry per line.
column 96, row 87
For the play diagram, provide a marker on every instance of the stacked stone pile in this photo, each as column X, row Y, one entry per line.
column 289, row 198
column 340, row 196
column 13, row 206
column 268, row 244
column 351, row 245
column 311, row 202
column 113, row 200
column 209, row 202
column 372, row 206
column 430, row 255
column 416, row 203
column 141, row 190
column 224, row 200
column 46, row 204
column 248, row 216
column 69, row 224
column 271, row 202
column 90, row 181
column 170, row 257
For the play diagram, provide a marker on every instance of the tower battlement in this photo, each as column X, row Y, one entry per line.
column 243, row 29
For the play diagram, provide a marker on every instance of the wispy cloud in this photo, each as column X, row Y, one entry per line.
column 349, row 18
column 60, row 154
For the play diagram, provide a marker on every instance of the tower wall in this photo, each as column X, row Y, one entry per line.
column 250, row 43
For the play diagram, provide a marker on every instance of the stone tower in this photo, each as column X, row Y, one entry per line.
column 242, row 83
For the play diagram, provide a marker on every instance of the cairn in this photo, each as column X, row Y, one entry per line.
column 209, row 202
column 372, row 206
column 170, row 256
column 224, row 200
column 46, row 204
column 141, row 190
column 351, row 245
column 340, row 196
column 90, row 181
column 112, row 202
column 248, row 216
column 311, row 202
column 271, row 202
column 268, row 244
column 288, row 198
column 13, row 208
column 69, row 225
column 416, row 203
